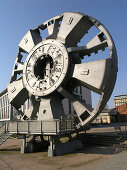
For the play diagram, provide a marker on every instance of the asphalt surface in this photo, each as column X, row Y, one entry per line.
column 116, row 162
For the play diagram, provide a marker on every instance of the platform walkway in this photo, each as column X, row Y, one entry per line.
column 50, row 127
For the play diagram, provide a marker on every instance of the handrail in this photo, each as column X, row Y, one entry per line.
column 3, row 124
column 41, row 127
column 3, row 129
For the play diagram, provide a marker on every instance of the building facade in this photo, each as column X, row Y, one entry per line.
column 5, row 107
column 7, row 111
column 106, row 116
column 120, row 100
column 122, row 113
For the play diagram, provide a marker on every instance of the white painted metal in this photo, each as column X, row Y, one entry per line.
column 44, row 52
column 53, row 68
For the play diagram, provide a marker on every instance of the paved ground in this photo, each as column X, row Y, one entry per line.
column 92, row 157
column 116, row 162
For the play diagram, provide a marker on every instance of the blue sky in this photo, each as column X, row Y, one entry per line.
column 18, row 16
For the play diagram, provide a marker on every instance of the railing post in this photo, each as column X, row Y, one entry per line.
column 23, row 148
column 51, row 148
column 56, row 125
column 71, row 123
column 17, row 126
column 41, row 127
column 60, row 124
column 5, row 127
column 28, row 127
column 66, row 124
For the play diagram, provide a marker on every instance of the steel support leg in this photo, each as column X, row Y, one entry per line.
column 51, row 148
column 24, row 148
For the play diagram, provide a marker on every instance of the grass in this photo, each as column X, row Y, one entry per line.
column 69, row 155
column 8, row 152
column 45, row 154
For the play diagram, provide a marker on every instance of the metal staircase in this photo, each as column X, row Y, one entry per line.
column 4, row 135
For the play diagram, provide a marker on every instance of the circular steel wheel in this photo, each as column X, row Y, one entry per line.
column 62, row 66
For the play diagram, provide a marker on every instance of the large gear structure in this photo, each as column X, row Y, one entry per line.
column 55, row 65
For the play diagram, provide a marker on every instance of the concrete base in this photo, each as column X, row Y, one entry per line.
column 69, row 147
column 23, row 150
column 58, row 149
column 55, row 148
column 51, row 151
column 31, row 147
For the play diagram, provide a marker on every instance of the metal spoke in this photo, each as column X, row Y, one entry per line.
column 82, row 109
column 19, row 68
column 31, row 39
column 73, row 28
column 99, row 42
column 53, row 28
column 50, row 108
column 17, row 93
column 93, row 75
